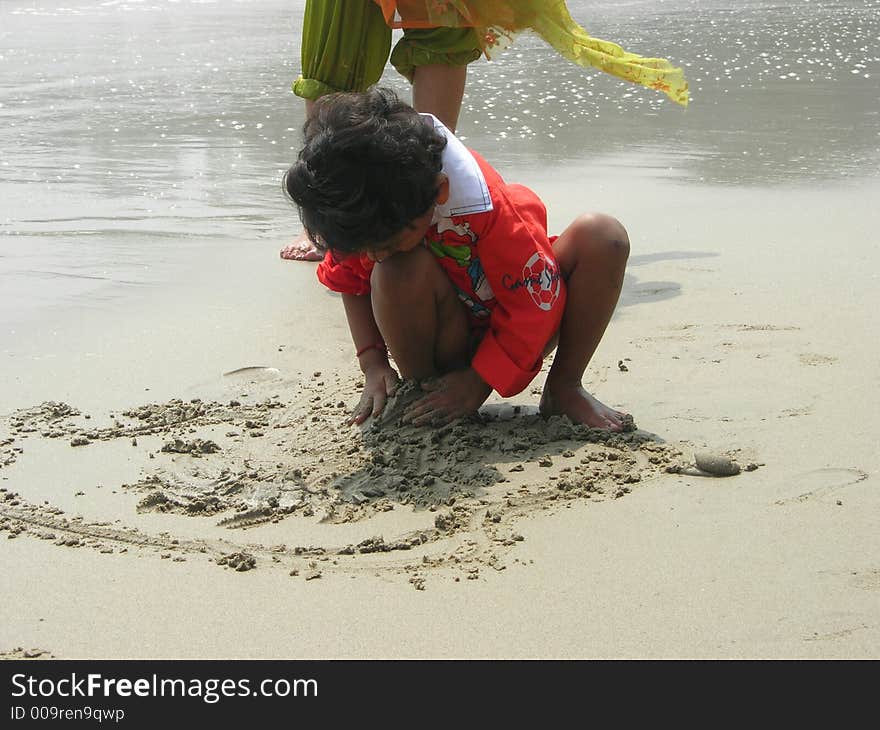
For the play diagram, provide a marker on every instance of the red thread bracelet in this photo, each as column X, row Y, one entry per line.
column 381, row 346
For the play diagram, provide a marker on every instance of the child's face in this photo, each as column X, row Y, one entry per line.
column 406, row 240
column 414, row 233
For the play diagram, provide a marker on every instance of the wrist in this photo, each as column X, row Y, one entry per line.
column 372, row 357
column 378, row 345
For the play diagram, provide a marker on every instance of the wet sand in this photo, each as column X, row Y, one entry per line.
column 178, row 481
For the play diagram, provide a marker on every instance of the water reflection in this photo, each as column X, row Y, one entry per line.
column 125, row 121
column 781, row 93
column 117, row 97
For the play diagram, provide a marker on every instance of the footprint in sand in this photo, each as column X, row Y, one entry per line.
column 822, row 483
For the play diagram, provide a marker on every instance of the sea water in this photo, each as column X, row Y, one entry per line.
column 138, row 137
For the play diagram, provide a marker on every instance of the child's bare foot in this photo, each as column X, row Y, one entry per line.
column 573, row 401
column 301, row 250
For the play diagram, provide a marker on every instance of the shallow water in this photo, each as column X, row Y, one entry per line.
column 137, row 137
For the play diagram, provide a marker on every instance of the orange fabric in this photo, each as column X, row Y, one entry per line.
column 497, row 22
column 455, row 13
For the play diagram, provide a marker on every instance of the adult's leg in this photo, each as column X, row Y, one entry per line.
column 419, row 314
column 345, row 45
column 435, row 61
column 302, row 248
column 592, row 254
column 438, row 89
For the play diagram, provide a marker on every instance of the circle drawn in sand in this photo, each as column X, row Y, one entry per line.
column 249, row 467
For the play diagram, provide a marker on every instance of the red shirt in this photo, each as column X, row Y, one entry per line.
column 502, row 265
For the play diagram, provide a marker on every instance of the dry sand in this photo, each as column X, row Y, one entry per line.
column 183, row 485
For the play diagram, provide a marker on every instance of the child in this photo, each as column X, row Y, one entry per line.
column 442, row 263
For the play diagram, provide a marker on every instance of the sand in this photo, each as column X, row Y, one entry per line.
column 180, row 482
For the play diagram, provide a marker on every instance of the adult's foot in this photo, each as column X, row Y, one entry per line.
column 580, row 407
column 301, row 250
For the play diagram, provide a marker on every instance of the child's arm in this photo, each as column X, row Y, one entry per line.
column 380, row 379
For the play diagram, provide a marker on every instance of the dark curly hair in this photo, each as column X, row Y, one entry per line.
column 368, row 168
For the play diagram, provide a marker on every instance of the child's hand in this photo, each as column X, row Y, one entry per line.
column 459, row 393
column 380, row 382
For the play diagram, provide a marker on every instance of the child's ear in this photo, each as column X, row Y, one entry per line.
column 442, row 189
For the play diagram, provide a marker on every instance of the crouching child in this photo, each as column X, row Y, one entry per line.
column 449, row 268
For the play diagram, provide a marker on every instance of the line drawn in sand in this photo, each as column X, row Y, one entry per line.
column 827, row 481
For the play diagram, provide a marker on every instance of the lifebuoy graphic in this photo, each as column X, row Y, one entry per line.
column 541, row 278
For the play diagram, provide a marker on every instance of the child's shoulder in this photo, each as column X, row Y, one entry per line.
column 508, row 198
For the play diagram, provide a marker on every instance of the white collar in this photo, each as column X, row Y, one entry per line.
column 468, row 192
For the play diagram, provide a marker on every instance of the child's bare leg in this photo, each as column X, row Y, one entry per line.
column 592, row 254
column 438, row 89
column 419, row 314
